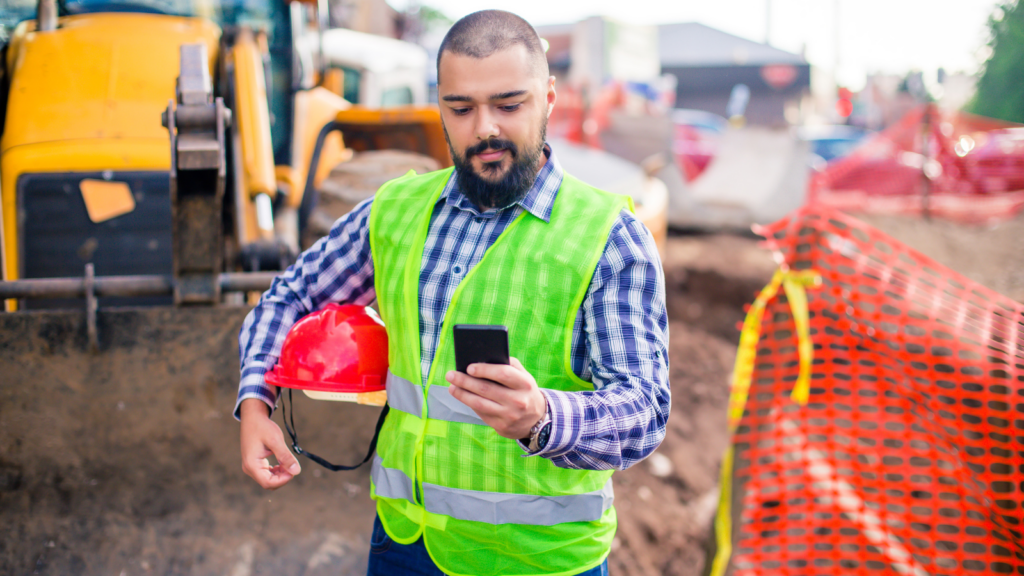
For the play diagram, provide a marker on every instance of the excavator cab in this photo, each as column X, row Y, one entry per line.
column 86, row 174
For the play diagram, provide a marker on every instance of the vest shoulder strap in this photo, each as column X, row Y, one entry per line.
column 570, row 182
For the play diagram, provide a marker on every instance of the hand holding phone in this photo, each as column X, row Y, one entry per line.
column 512, row 403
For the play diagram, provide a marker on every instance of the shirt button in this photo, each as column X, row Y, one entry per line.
column 457, row 269
column 478, row 220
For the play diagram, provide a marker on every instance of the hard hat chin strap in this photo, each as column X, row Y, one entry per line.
column 289, row 415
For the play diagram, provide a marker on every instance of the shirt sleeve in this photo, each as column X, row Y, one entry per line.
column 338, row 268
column 625, row 334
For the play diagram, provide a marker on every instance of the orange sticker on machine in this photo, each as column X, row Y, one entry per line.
column 105, row 200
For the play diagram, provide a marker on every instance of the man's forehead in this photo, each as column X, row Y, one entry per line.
column 507, row 70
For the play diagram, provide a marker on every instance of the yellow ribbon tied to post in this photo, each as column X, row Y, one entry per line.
column 794, row 284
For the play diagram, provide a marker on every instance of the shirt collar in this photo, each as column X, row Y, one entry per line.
column 538, row 201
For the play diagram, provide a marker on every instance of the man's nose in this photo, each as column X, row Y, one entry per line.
column 486, row 126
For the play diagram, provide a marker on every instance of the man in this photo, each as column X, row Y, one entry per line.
column 518, row 483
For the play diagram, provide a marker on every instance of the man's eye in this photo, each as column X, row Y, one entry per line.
column 460, row 111
column 510, row 107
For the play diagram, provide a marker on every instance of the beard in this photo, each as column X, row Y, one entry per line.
column 491, row 188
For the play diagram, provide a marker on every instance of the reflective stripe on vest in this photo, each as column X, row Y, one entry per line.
column 405, row 396
column 495, row 507
column 390, row 482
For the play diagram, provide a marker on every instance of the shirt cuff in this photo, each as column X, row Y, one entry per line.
column 566, row 410
column 254, row 386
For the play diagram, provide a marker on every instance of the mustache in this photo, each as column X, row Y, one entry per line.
column 493, row 144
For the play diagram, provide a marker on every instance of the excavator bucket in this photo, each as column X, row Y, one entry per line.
column 412, row 128
column 386, row 143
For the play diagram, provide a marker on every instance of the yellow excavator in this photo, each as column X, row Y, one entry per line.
column 159, row 160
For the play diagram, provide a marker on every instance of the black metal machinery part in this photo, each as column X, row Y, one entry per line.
column 57, row 236
column 149, row 285
column 198, row 174
column 361, row 138
column 92, row 287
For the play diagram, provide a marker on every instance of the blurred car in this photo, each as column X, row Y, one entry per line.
column 994, row 161
column 830, row 142
column 983, row 162
column 695, row 139
column 706, row 122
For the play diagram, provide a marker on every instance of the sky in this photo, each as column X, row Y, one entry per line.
column 889, row 36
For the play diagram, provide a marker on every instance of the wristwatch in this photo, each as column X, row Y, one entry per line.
column 539, row 434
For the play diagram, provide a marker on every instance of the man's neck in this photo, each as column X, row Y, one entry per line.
column 542, row 161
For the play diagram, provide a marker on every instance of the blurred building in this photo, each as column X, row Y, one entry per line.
column 886, row 98
column 559, row 48
column 709, row 64
column 369, row 16
column 957, row 90
column 592, row 52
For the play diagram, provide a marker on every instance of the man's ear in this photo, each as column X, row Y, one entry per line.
column 551, row 96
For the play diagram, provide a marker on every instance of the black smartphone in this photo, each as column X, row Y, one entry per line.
column 482, row 343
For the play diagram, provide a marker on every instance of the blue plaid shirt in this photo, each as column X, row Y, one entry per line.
column 620, row 337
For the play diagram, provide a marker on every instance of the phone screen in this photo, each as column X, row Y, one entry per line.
column 481, row 343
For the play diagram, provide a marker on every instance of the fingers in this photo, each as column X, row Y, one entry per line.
column 486, row 388
column 506, row 398
column 268, row 476
column 512, row 376
column 285, row 458
column 275, row 477
column 479, row 403
column 260, row 438
column 258, row 467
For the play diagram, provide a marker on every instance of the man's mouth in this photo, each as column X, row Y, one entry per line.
column 491, row 155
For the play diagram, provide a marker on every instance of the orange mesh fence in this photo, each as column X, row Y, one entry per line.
column 878, row 414
column 950, row 164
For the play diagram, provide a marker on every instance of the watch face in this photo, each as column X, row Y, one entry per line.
column 542, row 436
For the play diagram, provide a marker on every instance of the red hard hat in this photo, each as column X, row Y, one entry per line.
column 337, row 353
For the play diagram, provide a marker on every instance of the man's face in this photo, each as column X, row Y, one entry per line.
column 495, row 112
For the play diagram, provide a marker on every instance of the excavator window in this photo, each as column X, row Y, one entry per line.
column 12, row 12
column 399, row 96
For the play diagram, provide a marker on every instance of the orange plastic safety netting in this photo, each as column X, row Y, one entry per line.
column 878, row 414
column 945, row 163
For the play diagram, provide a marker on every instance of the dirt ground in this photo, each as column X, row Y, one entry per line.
column 162, row 493
column 993, row 255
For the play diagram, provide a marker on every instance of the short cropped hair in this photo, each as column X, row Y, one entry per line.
column 483, row 33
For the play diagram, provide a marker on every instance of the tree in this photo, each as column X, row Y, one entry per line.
column 1000, row 91
column 433, row 19
column 419, row 20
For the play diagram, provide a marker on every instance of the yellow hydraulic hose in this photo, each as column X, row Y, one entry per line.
column 253, row 116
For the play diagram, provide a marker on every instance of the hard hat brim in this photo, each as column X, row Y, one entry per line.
column 368, row 383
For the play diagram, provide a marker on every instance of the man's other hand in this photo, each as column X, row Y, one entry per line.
column 505, row 397
column 261, row 437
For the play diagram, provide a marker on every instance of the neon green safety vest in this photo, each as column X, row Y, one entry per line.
column 482, row 508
